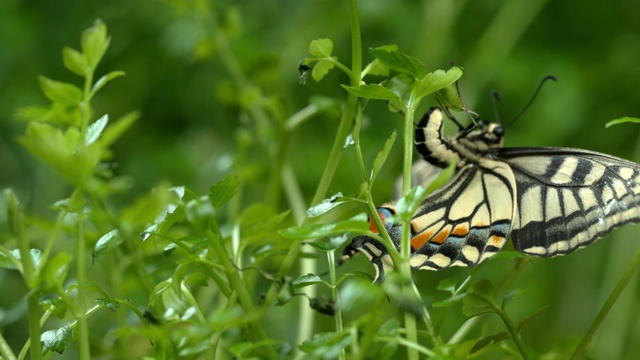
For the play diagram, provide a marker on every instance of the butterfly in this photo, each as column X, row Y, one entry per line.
column 549, row 200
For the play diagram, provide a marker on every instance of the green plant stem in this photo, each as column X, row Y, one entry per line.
column 5, row 350
column 611, row 300
column 336, row 149
column 334, row 295
column 30, row 277
column 240, row 288
column 83, row 329
column 515, row 334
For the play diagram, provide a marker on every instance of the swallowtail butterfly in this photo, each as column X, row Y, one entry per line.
column 551, row 201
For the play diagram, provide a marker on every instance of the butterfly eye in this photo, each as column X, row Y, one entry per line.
column 498, row 131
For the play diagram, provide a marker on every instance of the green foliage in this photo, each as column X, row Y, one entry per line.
column 210, row 269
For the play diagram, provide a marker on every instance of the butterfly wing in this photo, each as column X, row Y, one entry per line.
column 467, row 220
column 568, row 198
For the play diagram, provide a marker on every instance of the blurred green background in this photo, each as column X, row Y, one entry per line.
column 191, row 118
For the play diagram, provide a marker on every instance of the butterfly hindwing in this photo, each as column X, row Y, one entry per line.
column 568, row 198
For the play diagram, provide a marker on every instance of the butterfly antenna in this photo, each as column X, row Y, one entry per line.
column 495, row 97
column 472, row 115
column 535, row 94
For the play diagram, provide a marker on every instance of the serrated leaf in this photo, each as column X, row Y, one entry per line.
column 105, row 79
column 57, row 340
column 107, row 242
column 224, row 190
column 147, row 209
column 95, row 129
column 325, row 205
column 358, row 224
column 94, row 43
column 75, row 61
column 381, row 157
column 622, row 120
column 436, row 80
column 321, row 47
column 321, row 69
column 372, row 91
column 399, row 61
column 60, row 92
column 478, row 300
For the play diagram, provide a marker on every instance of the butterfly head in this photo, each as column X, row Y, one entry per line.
column 483, row 136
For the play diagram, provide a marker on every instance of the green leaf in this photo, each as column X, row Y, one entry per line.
column 116, row 129
column 478, row 300
column 11, row 259
column 448, row 97
column 309, row 279
column 325, row 205
column 56, row 306
column 448, row 284
column 105, row 79
column 381, row 157
column 372, row 91
column 376, row 68
column 196, row 279
column 224, row 190
column 199, row 212
column 57, row 340
column 622, row 120
column 510, row 296
column 408, row 204
column 328, row 244
column 448, row 301
column 321, row 68
column 147, row 209
column 358, row 224
column 60, row 151
column 94, row 43
column 437, row 80
column 442, row 178
column 402, row 86
column 326, row 345
column 399, row 61
column 107, row 242
column 60, row 92
column 75, row 61
column 482, row 343
column 95, row 129
column 531, row 317
column 321, row 47
column 54, row 273
column 109, row 303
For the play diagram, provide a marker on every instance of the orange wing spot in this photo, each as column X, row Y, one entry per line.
column 420, row 239
column 461, row 230
column 374, row 228
column 496, row 241
column 440, row 237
